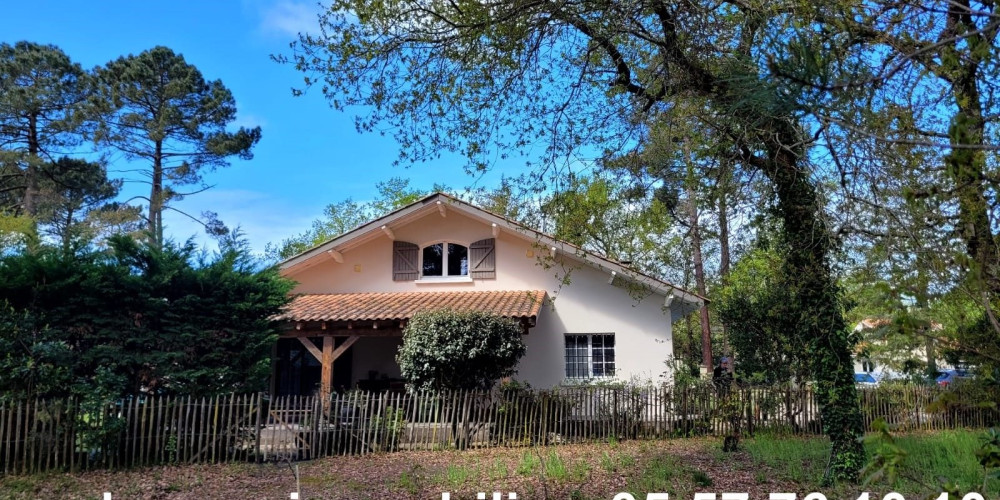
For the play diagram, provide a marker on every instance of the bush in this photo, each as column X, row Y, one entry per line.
column 459, row 350
column 160, row 320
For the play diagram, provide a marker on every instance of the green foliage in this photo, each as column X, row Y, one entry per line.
column 950, row 461
column 754, row 306
column 581, row 77
column 607, row 214
column 16, row 232
column 74, row 196
column 989, row 456
column 341, row 217
column 140, row 319
column 99, row 416
column 42, row 93
column 459, row 350
column 528, row 464
column 785, row 314
column 34, row 360
column 158, row 109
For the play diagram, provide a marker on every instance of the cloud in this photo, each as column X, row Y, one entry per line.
column 289, row 17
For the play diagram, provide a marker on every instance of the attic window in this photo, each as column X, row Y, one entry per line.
column 445, row 259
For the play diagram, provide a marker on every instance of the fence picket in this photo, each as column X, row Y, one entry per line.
column 41, row 435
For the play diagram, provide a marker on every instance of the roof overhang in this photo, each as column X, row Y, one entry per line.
column 401, row 306
column 440, row 202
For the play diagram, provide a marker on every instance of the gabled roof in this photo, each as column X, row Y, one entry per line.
column 439, row 201
column 386, row 306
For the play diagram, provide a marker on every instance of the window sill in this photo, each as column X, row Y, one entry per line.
column 588, row 380
column 448, row 279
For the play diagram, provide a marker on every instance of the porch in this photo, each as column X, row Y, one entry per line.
column 336, row 342
column 368, row 364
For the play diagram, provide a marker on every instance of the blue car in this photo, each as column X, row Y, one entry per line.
column 949, row 377
column 865, row 379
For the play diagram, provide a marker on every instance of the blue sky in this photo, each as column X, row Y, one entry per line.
column 309, row 156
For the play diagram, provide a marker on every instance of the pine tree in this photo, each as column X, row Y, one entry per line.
column 160, row 111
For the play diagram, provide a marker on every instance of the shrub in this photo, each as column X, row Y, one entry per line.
column 459, row 350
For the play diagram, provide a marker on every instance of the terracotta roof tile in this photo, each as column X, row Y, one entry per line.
column 403, row 305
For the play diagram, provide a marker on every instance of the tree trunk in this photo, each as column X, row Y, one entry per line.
column 691, row 358
column 722, row 193
column 699, row 266
column 156, row 197
column 817, row 300
column 30, row 204
column 966, row 166
column 67, row 239
column 960, row 64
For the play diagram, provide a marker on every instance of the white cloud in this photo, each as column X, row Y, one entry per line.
column 289, row 17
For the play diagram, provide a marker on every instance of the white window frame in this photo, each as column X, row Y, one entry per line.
column 590, row 356
column 444, row 264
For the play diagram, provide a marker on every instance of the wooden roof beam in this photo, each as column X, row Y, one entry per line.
column 335, row 255
column 312, row 348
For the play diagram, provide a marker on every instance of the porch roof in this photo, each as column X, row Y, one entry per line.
column 516, row 304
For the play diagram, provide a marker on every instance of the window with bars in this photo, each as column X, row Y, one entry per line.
column 590, row 355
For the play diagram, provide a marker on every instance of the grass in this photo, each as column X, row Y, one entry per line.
column 617, row 461
column 580, row 471
column 529, row 464
column 943, row 454
column 700, row 478
column 930, row 457
column 659, row 475
column 801, row 460
column 457, row 475
column 555, row 468
column 410, row 481
column 607, row 463
column 499, row 470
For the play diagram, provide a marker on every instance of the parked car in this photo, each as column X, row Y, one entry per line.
column 949, row 377
column 865, row 380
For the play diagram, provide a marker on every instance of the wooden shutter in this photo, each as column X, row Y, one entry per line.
column 404, row 261
column 482, row 259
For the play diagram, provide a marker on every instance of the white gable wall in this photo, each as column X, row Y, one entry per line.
column 588, row 304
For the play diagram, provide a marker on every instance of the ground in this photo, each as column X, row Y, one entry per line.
column 594, row 471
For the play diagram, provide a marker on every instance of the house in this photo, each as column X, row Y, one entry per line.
column 874, row 357
column 584, row 317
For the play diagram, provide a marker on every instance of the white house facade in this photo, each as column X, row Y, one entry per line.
column 584, row 317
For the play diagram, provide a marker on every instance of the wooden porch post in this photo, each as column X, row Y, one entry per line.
column 326, row 377
column 326, row 357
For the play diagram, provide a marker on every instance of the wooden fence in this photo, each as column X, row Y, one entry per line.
column 37, row 436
